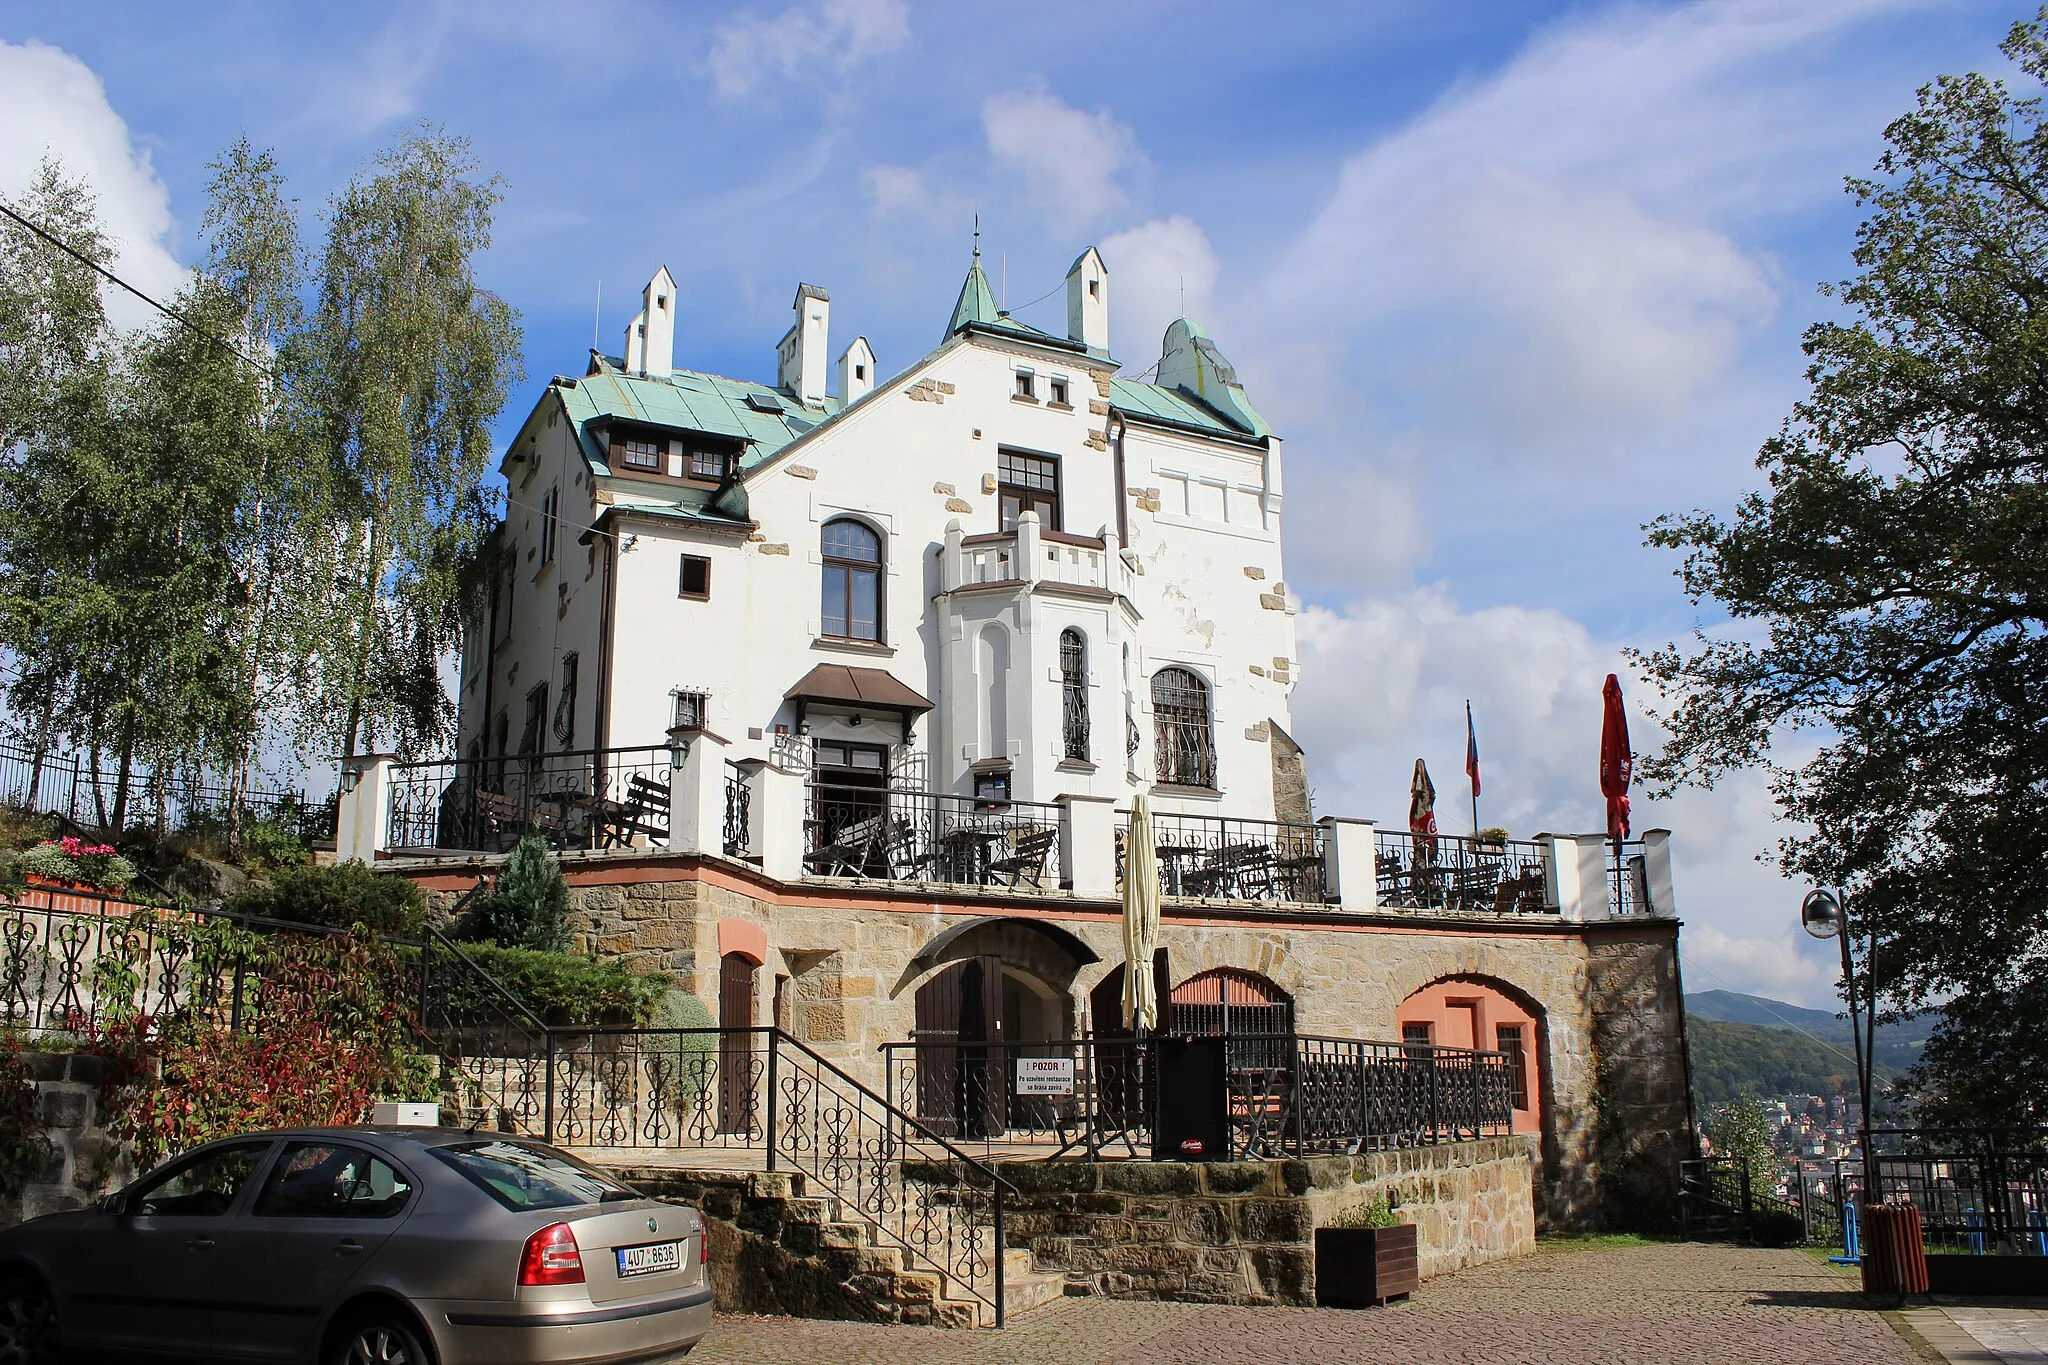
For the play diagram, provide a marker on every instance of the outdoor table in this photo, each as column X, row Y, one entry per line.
column 970, row 849
column 1173, row 866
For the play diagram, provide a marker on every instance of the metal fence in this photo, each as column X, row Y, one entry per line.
column 1628, row 880
column 581, row 799
column 1212, row 857
column 71, row 786
column 1454, row 872
column 1287, row 1094
column 1979, row 1192
column 895, row 834
column 739, row 818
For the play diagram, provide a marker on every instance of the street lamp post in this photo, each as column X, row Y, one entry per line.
column 1825, row 914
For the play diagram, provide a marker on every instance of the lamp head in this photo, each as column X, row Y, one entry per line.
column 1820, row 914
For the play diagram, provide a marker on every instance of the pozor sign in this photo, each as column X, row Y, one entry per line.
column 1045, row 1075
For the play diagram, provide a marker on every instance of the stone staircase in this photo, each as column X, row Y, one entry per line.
column 778, row 1246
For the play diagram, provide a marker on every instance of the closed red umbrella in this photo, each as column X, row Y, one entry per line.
column 1422, row 812
column 1617, row 763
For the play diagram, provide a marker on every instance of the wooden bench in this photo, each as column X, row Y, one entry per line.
column 509, row 818
column 644, row 811
column 849, row 849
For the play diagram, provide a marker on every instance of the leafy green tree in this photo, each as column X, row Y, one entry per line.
column 529, row 907
column 1740, row 1131
column 408, row 361
column 1888, row 591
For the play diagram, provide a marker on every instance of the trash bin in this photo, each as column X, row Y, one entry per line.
column 1894, row 1253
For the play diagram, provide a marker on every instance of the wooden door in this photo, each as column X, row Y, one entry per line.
column 738, row 1052
column 962, row 1069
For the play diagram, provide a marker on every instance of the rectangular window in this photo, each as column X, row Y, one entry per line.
column 636, row 453
column 1027, row 384
column 550, row 523
column 1508, row 1039
column 1416, row 1035
column 1028, row 483
column 533, row 737
column 696, row 579
column 1058, row 389
column 708, row 464
column 692, row 709
column 565, row 706
column 850, row 757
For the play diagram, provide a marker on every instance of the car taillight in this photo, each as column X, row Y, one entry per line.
column 551, row 1257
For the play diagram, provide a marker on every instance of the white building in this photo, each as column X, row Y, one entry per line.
column 1004, row 571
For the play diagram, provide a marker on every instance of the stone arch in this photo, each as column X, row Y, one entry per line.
column 1471, row 1009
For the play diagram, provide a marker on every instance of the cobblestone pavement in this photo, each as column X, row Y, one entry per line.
column 1643, row 1305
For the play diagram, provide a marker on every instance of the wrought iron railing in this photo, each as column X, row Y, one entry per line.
column 583, row 798
column 760, row 1092
column 1213, row 857
column 895, row 834
column 1456, row 872
column 1979, row 1191
column 739, row 799
column 72, row 786
column 1287, row 1095
column 1628, row 879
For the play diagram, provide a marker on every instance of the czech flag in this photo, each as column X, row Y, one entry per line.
column 1471, row 750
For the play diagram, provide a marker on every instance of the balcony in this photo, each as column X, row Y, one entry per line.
column 1029, row 557
column 689, row 798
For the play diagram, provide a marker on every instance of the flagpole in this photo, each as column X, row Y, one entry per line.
column 1472, row 765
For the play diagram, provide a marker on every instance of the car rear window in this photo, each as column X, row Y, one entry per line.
column 522, row 1176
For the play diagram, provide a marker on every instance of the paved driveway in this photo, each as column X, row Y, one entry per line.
column 1641, row 1305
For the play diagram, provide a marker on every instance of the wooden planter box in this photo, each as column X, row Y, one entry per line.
column 1364, row 1267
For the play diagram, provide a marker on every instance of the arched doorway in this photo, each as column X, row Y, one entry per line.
column 1251, row 1010
column 1474, row 1012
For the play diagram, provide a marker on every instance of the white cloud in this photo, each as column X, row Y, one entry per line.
column 52, row 104
column 1069, row 160
column 835, row 35
column 907, row 193
column 1158, row 271
column 1385, row 682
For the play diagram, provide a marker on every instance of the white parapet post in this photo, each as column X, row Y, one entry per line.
column 362, row 819
column 696, row 797
column 1351, row 867
column 775, row 819
column 1657, row 873
column 1088, row 845
column 1575, row 875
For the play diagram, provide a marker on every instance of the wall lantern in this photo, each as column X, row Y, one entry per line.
column 678, row 745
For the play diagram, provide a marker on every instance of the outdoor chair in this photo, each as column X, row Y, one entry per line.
column 644, row 811
column 846, row 853
column 1026, row 859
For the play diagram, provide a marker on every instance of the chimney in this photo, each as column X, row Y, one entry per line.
column 800, row 359
column 1088, row 301
column 856, row 371
column 651, row 337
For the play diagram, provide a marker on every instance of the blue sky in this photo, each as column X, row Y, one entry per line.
column 1510, row 278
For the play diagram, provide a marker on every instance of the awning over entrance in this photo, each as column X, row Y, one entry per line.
column 842, row 685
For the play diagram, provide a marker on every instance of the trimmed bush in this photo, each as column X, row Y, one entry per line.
column 562, row 989
column 529, row 906
column 338, row 897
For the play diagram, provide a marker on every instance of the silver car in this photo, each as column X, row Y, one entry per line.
column 361, row 1246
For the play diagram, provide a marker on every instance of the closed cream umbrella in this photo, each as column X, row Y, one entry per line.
column 1141, row 919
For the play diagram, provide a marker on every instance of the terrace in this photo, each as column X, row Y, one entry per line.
column 689, row 798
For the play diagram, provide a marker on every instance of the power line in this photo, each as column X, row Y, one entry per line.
column 110, row 276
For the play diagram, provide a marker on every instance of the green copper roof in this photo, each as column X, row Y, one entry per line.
column 765, row 418
column 1174, row 407
column 977, row 301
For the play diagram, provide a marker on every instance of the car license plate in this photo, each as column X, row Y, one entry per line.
column 651, row 1259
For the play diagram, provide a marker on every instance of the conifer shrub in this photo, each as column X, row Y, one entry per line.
column 339, row 897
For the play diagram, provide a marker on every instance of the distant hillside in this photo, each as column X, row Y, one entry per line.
column 1898, row 1045
column 1730, row 1061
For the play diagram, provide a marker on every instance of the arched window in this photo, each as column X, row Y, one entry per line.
column 1244, row 1006
column 1074, row 694
column 852, row 607
column 1183, row 745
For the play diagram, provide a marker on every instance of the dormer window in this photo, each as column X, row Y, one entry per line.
column 709, row 464
column 636, row 453
column 1027, row 385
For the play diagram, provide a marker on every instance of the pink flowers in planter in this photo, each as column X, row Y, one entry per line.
column 71, row 859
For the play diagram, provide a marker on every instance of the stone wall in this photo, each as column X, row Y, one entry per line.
column 84, row 1162
column 843, row 963
column 1244, row 1232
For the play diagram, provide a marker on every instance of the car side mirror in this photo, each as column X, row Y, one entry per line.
column 116, row 1204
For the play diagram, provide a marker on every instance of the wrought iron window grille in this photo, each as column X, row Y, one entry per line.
column 1184, row 740
column 1073, row 695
